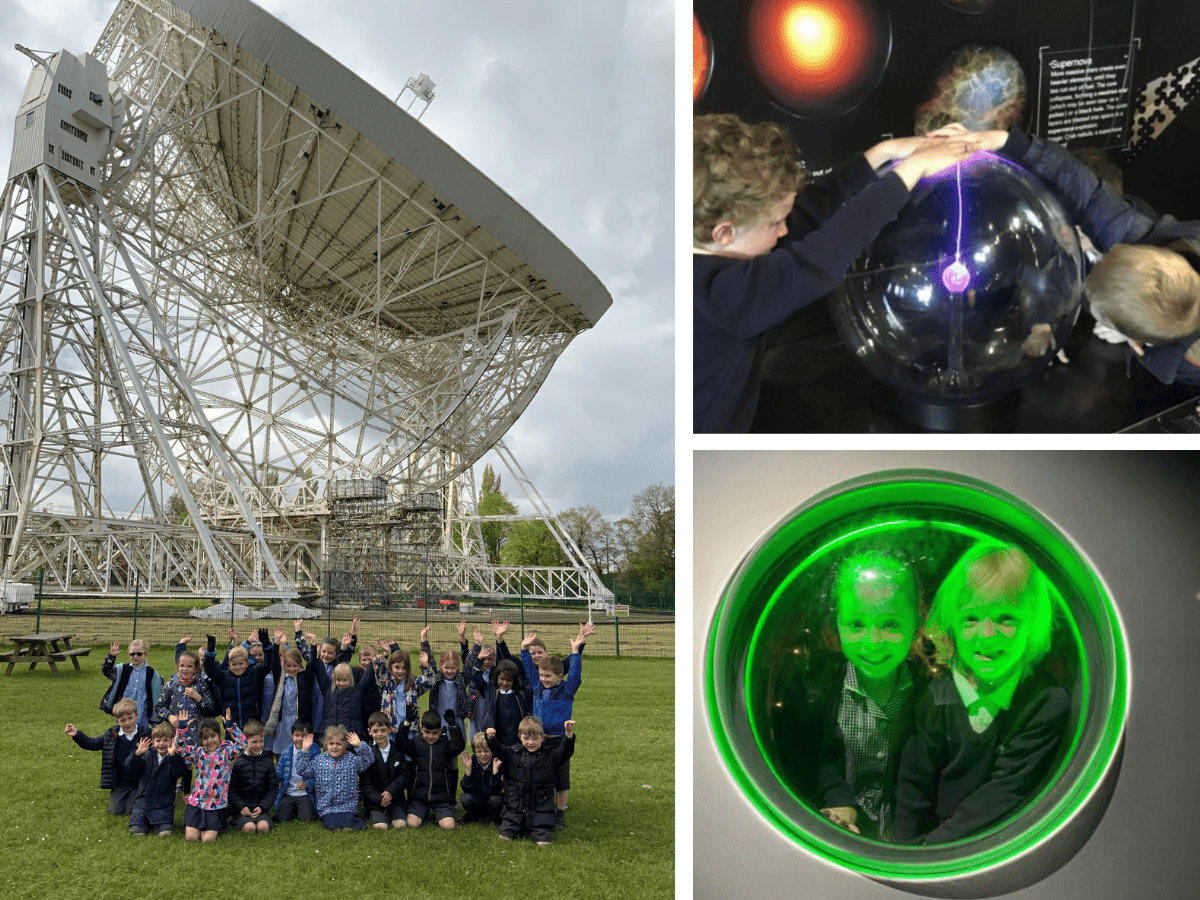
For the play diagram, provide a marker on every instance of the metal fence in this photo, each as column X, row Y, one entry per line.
column 164, row 620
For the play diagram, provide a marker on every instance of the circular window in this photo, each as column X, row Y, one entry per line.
column 917, row 677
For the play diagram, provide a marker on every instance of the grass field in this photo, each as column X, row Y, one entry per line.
column 57, row 840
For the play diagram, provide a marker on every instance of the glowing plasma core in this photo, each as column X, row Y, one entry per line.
column 813, row 35
column 956, row 277
column 701, row 59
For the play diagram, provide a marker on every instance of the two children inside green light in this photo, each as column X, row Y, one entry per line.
column 945, row 724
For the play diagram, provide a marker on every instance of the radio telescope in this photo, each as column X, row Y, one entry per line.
column 257, row 323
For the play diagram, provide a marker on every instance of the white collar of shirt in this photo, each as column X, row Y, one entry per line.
column 506, row 692
column 129, row 735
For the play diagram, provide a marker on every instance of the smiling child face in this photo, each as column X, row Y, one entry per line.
column 161, row 745
column 238, row 664
column 876, row 622
column 990, row 640
column 298, row 739
column 327, row 652
column 449, row 669
column 290, row 666
column 430, row 736
column 210, row 740
column 127, row 721
column 379, row 734
column 254, row 744
column 399, row 671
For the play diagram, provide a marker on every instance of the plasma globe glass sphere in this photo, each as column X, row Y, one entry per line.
column 969, row 291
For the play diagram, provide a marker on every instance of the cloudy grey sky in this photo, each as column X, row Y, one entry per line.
column 567, row 106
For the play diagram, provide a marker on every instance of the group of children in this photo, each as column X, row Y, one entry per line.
column 934, row 721
column 749, row 194
column 517, row 714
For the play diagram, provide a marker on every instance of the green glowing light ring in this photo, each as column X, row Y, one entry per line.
column 1104, row 680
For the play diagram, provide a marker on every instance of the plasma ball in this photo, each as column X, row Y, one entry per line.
column 956, row 277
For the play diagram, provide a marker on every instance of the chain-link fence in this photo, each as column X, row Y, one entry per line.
column 164, row 620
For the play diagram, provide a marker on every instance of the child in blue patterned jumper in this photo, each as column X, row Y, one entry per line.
column 552, row 702
column 204, row 815
column 335, row 774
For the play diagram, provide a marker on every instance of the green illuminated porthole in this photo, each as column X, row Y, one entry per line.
column 956, row 801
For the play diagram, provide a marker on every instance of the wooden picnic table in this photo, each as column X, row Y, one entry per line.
column 43, row 647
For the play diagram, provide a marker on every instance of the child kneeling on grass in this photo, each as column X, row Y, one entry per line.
column 253, row 784
column 116, row 745
column 433, row 757
column 482, row 786
column 532, row 768
column 204, row 815
column 335, row 774
column 157, row 766
column 296, row 799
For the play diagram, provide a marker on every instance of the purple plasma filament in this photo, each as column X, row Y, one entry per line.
column 956, row 277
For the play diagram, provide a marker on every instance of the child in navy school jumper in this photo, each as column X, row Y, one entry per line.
column 384, row 782
column 1147, row 284
column 297, row 798
column 371, row 700
column 335, row 773
column 530, row 768
column 253, row 784
column 433, row 754
column 343, row 692
column 509, row 699
column 745, row 180
column 158, row 767
column 482, row 783
column 135, row 679
column 986, row 734
column 238, row 685
column 116, row 745
column 553, row 697
column 202, row 746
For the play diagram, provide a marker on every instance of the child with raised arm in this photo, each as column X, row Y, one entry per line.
column 398, row 690
column 116, row 745
column 383, row 784
column 292, row 701
column 433, row 755
column 986, row 734
column 136, row 680
column 478, row 668
column 745, row 180
column 158, row 767
column 238, row 685
column 447, row 687
column 553, row 696
column 202, row 746
column 343, row 691
column 187, row 691
column 297, row 798
column 530, row 768
column 482, row 784
column 253, row 784
column 335, row 776
column 371, row 701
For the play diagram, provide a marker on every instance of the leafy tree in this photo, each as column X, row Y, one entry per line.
column 647, row 535
column 591, row 532
column 177, row 511
column 532, row 544
column 493, row 502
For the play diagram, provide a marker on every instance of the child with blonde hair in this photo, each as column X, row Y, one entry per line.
column 531, row 768
column 482, row 784
column 253, row 784
column 335, row 776
column 987, row 732
column 746, row 196
column 116, row 745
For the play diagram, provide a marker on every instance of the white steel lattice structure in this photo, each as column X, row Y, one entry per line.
column 215, row 285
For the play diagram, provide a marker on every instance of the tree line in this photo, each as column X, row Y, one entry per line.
column 638, row 550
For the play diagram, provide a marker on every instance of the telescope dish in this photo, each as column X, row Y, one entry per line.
column 294, row 284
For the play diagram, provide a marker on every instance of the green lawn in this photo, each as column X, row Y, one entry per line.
column 58, row 841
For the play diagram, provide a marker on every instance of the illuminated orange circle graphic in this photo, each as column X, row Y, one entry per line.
column 818, row 56
column 701, row 59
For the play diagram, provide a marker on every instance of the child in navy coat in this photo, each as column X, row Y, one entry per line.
column 529, row 785
column 158, row 767
column 482, row 784
column 116, row 745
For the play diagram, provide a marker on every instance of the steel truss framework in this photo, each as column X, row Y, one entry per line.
column 256, row 306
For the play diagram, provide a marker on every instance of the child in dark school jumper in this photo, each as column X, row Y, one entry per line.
column 745, row 180
column 986, row 733
column 530, row 779
column 116, row 745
